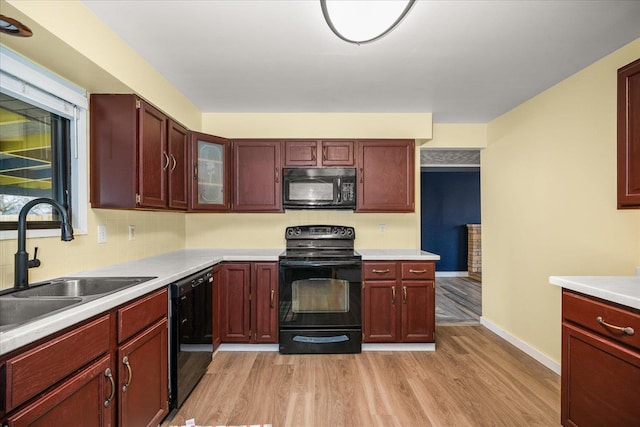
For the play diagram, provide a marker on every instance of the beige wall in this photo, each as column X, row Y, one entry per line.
column 548, row 180
column 70, row 41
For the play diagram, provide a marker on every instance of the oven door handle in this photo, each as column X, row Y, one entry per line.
column 319, row 263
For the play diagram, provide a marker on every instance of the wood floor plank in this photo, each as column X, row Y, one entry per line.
column 473, row 378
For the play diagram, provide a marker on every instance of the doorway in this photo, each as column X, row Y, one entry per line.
column 450, row 201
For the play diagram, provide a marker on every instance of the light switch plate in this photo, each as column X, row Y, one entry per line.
column 102, row 234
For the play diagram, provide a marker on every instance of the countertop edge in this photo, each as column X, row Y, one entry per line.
column 624, row 290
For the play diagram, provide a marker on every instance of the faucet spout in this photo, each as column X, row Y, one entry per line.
column 21, row 268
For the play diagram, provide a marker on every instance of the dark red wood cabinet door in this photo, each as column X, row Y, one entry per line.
column 235, row 316
column 143, row 377
column 337, row 153
column 85, row 399
column 600, row 381
column 380, row 311
column 177, row 170
column 385, row 176
column 265, row 297
column 629, row 136
column 418, row 310
column 209, row 173
column 153, row 160
column 301, row 152
column 257, row 181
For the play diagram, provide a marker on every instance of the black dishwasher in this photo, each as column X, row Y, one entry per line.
column 190, row 341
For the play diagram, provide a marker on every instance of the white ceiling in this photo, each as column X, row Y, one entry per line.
column 464, row 61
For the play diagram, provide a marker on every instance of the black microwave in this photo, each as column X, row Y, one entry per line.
column 319, row 188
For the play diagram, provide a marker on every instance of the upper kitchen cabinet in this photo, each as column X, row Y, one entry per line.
column 210, row 161
column 629, row 136
column 307, row 152
column 138, row 155
column 256, row 172
column 385, row 176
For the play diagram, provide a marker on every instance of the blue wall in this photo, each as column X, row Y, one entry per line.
column 450, row 201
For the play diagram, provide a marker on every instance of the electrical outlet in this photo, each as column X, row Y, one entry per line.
column 102, row 234
column 381, row 226
column 132, row 232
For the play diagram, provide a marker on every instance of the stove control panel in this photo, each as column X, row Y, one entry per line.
column 320, row 232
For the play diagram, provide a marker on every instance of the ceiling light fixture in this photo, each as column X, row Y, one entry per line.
column 14, row 27
column 364, row 21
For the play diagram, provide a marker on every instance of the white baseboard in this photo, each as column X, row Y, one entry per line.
column 399, row 347
column 516, row 342
column 452, row 273
column 248, row 347
column 365, row 347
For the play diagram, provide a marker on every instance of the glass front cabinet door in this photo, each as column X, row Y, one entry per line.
column 210, row 157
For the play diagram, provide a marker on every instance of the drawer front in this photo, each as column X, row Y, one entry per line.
column 418, row 270
column 585, row 312
column 35, row 370
column 379, row 270
column 138, row 315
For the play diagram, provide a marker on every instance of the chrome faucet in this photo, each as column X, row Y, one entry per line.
column 22, row 262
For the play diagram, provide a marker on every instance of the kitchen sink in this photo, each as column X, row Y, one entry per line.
column 39, row 299
column 14, row 312
column 79, row 287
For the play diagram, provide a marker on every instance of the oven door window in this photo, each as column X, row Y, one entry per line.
column 320, row 296
column 327, row 296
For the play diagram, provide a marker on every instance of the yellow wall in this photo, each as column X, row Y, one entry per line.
column 70, row 41
column 548, row 180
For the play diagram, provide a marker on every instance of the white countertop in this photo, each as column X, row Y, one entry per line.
column 397, row 254
column 623, row 290
column 168, row 268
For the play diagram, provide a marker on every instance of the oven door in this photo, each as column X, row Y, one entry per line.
column 320, row 294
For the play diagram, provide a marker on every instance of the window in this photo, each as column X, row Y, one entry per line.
column 42, row 145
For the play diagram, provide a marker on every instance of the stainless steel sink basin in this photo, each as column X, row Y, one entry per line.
column 79, row 286
column 14, row 311
column 40, row 299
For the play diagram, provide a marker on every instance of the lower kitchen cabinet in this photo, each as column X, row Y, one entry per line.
column 600, row 381
column 143, row 361
column 85, row 399
column 398, row 301
column 117, row 361
column 249, row 295
column 142, row 386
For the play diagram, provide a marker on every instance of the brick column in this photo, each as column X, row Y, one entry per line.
column 474, row 251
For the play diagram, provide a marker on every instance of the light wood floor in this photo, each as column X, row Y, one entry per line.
column 474, row 378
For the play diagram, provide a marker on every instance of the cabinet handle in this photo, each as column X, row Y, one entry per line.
column 404, row 294
column 411, row 270
column 174, row 163
column 125, row 362
column 273, row 293
column 166, row 157
column 393, row 295
column 626, row 329
column 361, row 176
column 380, row 271
column 277, row 176
column 108, row 374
